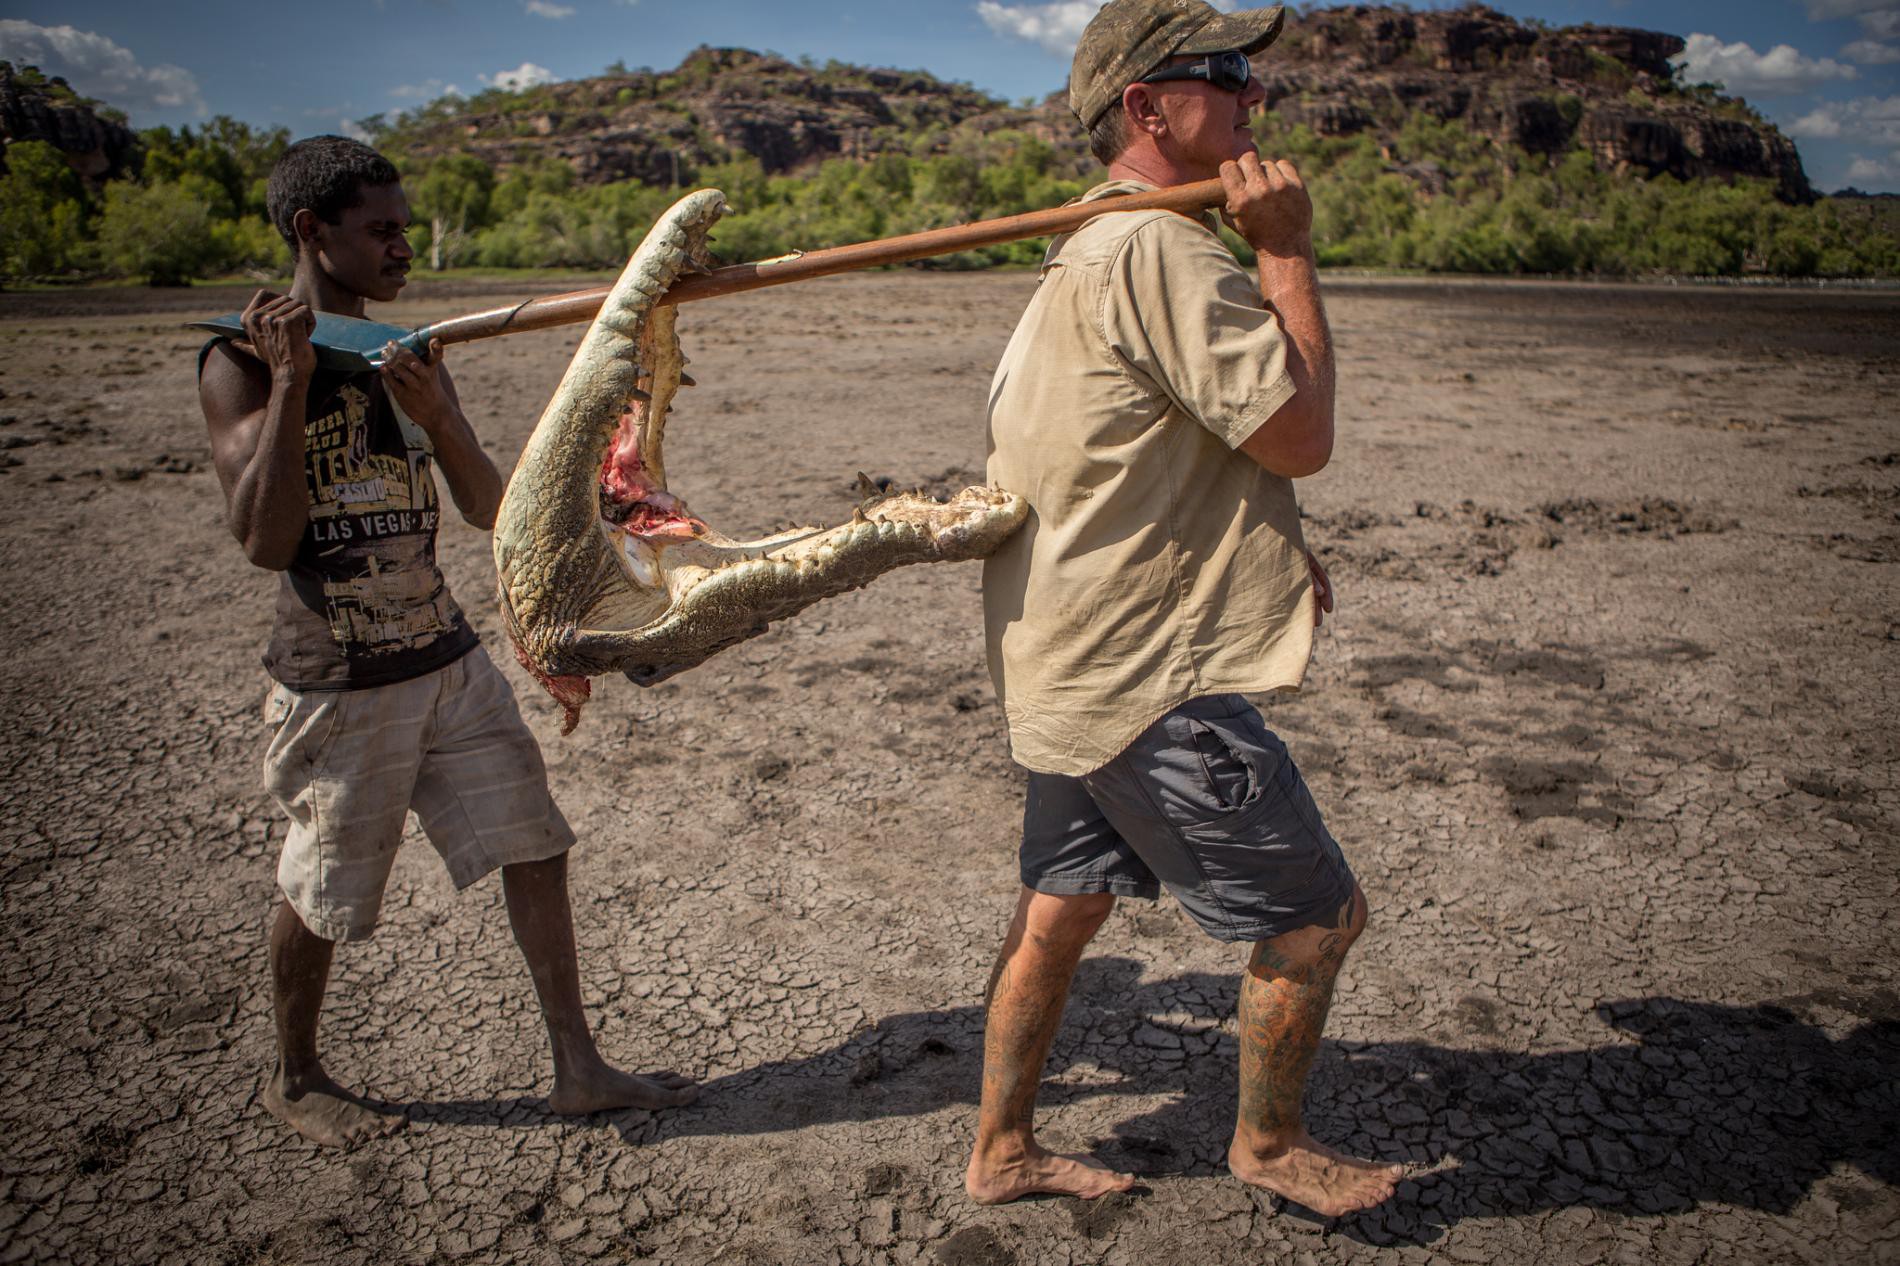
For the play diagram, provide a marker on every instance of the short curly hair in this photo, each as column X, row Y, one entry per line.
column 327, row 174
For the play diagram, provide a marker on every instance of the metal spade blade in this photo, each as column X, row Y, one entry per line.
column 349, row 344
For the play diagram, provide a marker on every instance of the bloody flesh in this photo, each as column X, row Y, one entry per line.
column 629, row 497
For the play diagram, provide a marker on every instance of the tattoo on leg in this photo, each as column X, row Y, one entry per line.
column 1283, row 1007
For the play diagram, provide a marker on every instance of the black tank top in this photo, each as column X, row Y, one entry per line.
column 363, row 604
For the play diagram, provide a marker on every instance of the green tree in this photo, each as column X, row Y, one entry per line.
column 159, row 232
column 225, row 162
column 42, row 213
column 453, row 194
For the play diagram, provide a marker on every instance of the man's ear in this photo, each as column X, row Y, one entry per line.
column 306, row 226
column 1144, row 110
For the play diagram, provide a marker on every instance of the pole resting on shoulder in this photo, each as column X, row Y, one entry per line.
column 354, row 345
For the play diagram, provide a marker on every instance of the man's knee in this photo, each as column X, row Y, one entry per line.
column 1055, row 921
column 1321, row 944
column 1356, row 913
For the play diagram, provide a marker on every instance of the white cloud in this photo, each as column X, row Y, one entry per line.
column 1818, row 125
column 1871, row 53
column 1884, row 25
column 1833, row 10
column 97, row 67
column 1874, row 171
column 548, row 9
column 1056, row 27
column 427, row 90
column 1879, row 19
column 1869, row 119
column 526, row 75
column 1740, row 69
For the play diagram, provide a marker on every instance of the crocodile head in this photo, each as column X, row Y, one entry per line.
column 603, row 568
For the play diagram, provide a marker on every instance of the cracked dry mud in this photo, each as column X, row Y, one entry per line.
column 1605, row 720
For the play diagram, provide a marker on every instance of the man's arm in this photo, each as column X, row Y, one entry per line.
column 253, row 403
column 1268, row 206
column 427, row 394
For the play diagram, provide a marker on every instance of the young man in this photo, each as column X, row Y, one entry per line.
column 1154, row 405
column 384, row 702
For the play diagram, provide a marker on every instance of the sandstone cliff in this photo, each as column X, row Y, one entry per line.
column 1610, row 90
column 1341, row 71
column 37, row 108
column 718, row 104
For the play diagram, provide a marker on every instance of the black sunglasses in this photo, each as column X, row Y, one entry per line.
column 1229, row 71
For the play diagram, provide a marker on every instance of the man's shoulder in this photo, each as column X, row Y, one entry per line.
column 1113, row 229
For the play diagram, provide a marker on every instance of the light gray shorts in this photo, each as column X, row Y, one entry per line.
column 347, row 766
column 1206, row 802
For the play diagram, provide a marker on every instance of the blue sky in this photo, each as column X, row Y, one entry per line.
column 1827, row 71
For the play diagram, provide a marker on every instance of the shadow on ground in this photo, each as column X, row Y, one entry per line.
column 1746, row 1106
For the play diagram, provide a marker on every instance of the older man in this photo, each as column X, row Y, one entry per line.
column 1155, row 405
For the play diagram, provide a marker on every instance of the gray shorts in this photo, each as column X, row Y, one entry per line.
column 1207, row 802
column 349, row 766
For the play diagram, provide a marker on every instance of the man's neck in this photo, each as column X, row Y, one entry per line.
column 321, row 291
column 1149, row 163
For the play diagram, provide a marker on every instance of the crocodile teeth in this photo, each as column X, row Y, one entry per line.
column 583, row 596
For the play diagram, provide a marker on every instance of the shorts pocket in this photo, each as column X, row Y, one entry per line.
column 278, row 705
column 1228, row 776
column 1206, row 772
column 1229, row 791
column 310, row 724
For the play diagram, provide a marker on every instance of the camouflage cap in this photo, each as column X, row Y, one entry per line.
column 1130, row 38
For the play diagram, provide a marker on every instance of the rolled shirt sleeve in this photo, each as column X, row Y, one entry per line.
column 1180, row 312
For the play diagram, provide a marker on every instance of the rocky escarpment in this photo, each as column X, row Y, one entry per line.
column 41, row 108
column 718, row 104
column 1344, row 71
column 1610, row 90
column 1341, row 71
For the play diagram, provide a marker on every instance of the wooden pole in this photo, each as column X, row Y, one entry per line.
column 581, row 305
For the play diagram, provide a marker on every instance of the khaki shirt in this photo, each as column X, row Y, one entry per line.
column 1158, row 564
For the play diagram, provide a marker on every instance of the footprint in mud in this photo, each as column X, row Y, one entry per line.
column 103, row 1148
column 1477, row 1015
column 1860, row 549
column 975, row 1246
column 883, row 1180
column 1554, row 790
column 1843, row 796
column 1874, row 500
column 1666, row 518
column 1096, row 1218
column 1415, row 724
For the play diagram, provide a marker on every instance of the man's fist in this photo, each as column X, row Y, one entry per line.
column 417, row 384
column 1267, row 205
column 277, row 331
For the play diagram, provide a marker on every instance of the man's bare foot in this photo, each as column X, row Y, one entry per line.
column 1316, row 1176
column 991, row 1180
column 325, row 1112
column 604, row 1088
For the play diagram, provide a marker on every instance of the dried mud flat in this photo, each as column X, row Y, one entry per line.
column 1606, row 720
